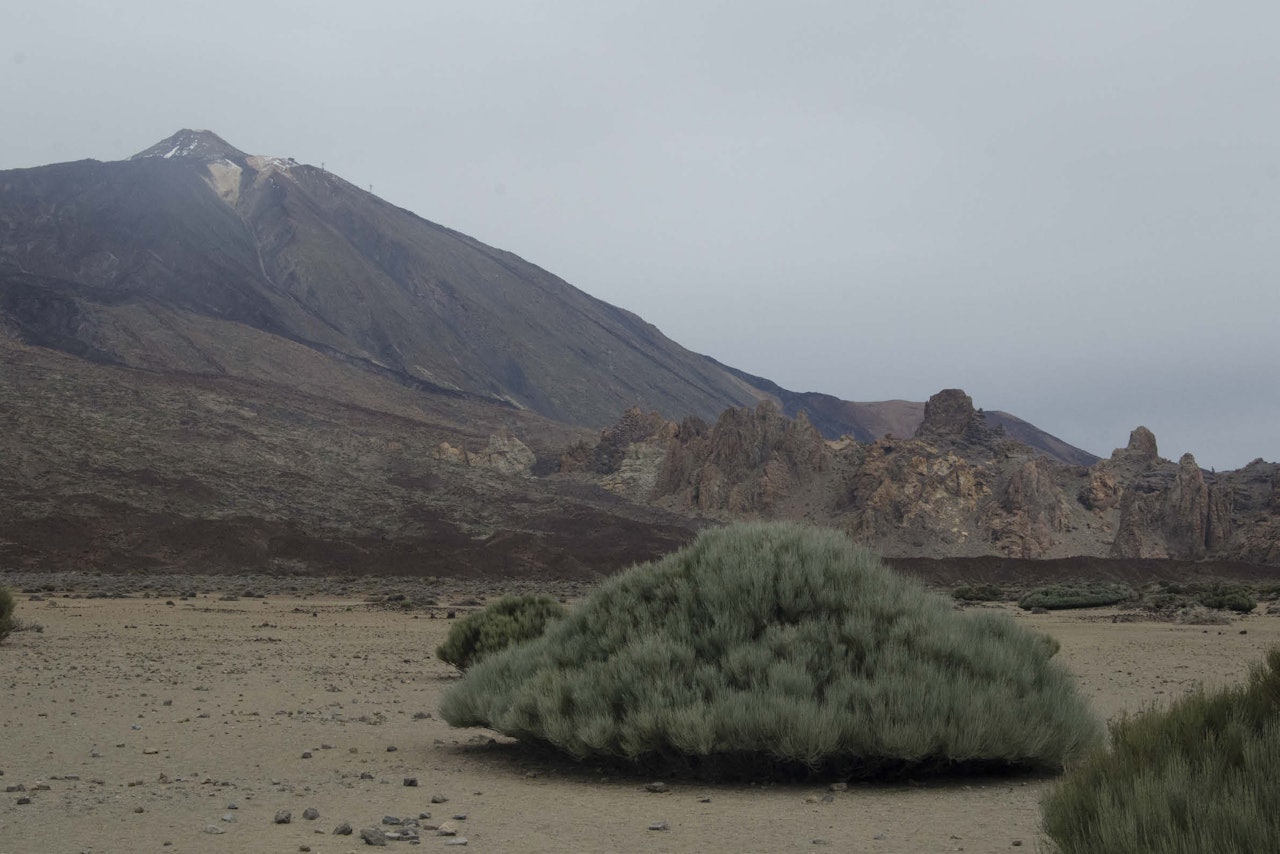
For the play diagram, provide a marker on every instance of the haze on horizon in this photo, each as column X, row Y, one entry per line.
column 1072, row 211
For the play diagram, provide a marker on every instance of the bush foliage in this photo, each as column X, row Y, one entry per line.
column 510, row 620
column 979, row 593
column 781, row 650
column 1058, row 597
column 7, row 623
column 1198, row 777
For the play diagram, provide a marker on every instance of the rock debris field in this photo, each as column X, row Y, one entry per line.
column 280, row 715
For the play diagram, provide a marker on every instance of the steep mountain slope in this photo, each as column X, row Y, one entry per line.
column 194, row 256
column 135, row 262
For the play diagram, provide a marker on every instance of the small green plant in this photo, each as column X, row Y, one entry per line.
column 7, row 623
column 1058, row 597
column 979, row 593
column 1229, row 597
column 779, row 650
column 510, row 620
column 1197, row 777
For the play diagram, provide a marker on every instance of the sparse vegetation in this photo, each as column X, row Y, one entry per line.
column 1058, row 597
column 979, row 593
column 1170, row 597
column 1198, row 777
column 7, row 623
column 510, row 620
column 781, row 650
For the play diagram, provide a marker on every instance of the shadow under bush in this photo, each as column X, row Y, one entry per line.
column 1197, row 777
column 780, row 650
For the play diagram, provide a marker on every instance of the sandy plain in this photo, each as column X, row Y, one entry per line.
column 163, row 723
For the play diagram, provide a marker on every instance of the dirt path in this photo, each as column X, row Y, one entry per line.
column 148, row 721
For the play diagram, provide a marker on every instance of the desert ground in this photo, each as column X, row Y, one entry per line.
column 185, row 717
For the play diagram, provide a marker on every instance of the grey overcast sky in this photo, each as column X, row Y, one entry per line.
column 1069, row 210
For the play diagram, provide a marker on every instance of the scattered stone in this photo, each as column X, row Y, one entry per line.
column 657, row 788
column 23, row 801
column 839, row 787
column 373, row 836
column 214, row 829
column 458, row 840
column 423, row 816
column 365, row 775
column 343, row 829
column 460, row 817
column 283, row 817
column 391, row 748
column 446, row 829
column 659, row 825
column 311, row 813
column 392, row 820
column 228, row 817
column 139, row 809
column 411, row 781
column 704, row 800
column 438, row 799
column 233, row 806
column 1018, row 842
column 306, row 754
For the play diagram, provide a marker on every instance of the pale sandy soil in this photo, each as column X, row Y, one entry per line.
column 146, row 721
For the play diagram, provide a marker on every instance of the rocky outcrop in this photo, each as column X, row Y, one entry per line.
column 1031, row 511
column 1173, row 515
column 503, row 454
column 956, row 488
column 752, row 462
column 608, row 454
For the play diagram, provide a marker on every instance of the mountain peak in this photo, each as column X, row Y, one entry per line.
column 187, row 144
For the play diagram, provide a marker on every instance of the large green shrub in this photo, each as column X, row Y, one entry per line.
column 1199, row 777
column 6, row 613
column 777, row 649
column 1062, row 596
column 510, row 620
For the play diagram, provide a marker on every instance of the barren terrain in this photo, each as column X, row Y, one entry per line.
column 184, row 718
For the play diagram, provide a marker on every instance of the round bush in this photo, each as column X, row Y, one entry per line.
column 1197, row 777
column 780, row 650
column 510, row 620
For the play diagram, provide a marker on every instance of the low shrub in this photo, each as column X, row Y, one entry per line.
column 1197, row 777
column 780, row 650
column 510, row 620
column 1172, row 596
column 979, row 593
column 1229, row 597
column 7, row 623
column 1057, row 597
